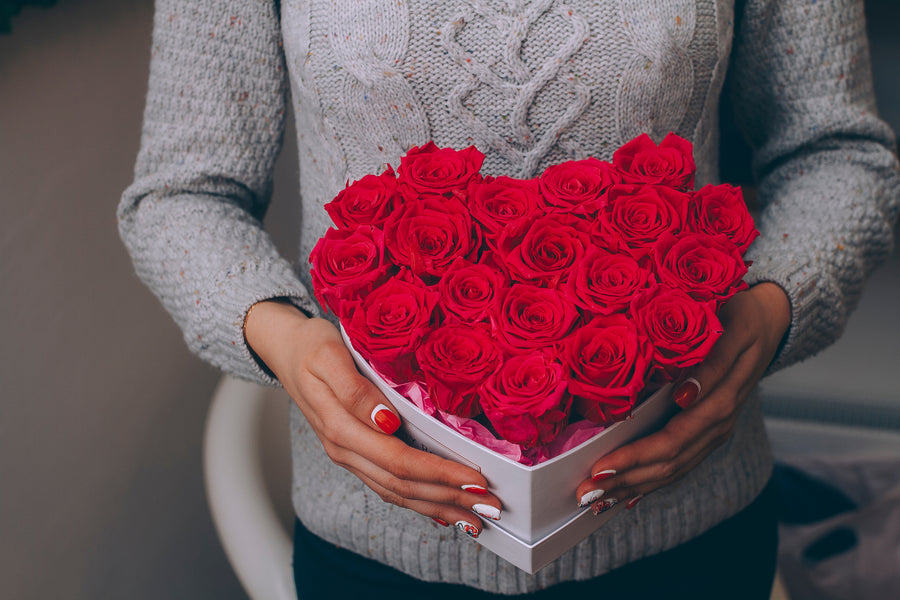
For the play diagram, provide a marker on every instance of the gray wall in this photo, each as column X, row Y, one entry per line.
column 101, row 407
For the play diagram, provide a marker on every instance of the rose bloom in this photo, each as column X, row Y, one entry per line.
column 368, row 201
column 605, row 282
column 578, row 187
column 526, row 400
column 532, row 317
column 387, row 325
column 707, row 267
column 456, row 360
column 721, row 209
column 469, row 293
column 681, row 329
column 426, row 236
column 432, row 170
column 548, row 250
column 638, row 215
column 670, row 164
column 608, row 361
column 346, row 264
column 504, row 205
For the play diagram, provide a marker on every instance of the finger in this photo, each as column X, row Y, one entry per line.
column 358, row 395
column 488, row 506
column 650, row 477
column 633, row 494
column 706, row 376
column 445, row 515
column 657, row 455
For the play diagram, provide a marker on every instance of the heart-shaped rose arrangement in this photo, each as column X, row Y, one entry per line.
column 529, row 304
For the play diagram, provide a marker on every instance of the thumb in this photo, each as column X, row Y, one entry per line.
column 362, row 398
column 698, row 381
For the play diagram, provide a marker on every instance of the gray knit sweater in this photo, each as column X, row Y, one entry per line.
column 531, row 83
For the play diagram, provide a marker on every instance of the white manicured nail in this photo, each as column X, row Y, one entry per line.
column 487, row 511
column 467, row 528
column 590, row 498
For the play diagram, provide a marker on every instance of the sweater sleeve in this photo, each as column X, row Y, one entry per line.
column 213, row 126
column 827, row 168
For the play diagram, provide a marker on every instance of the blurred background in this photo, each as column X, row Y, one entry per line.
column 101, row 406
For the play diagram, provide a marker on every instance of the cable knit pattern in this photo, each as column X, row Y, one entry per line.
column 531, row 83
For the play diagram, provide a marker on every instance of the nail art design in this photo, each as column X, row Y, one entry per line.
column 590, row 497
column 602, row 507
column 631, row 503
column 440, row 522
column 487, row 511
column 467, row 528
column 603, row 475
column 687, row 392
column 386, row 420
column 475, row 489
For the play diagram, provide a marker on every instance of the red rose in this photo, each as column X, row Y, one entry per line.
column 531, row 317
column 368, row 201
column 456, row 361
column 707, row 267
column 721, row 209
column 429, row 234
column 347, row 263
column 681, row 330
column 387, row 325
column 637, row 215
column 469, row 293
column 504, row 205
column 605, row 282
column 608, row 360
column 548, row 250
column 526, row 400
column 578, row 187
column 432, row 170
column 671, row 163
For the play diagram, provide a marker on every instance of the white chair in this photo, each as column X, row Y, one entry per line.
column 246, row 464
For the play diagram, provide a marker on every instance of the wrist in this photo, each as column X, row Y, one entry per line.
column 776, row 306
column 268, row 328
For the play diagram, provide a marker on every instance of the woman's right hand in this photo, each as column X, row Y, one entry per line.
column 310, row 360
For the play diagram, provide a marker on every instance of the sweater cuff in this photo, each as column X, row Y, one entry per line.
column 799, row 284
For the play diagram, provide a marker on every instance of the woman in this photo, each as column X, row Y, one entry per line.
column 530, row 84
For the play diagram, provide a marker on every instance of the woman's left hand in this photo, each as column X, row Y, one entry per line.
column 754, row 323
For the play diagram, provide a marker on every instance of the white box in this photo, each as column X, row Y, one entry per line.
column 540, row 518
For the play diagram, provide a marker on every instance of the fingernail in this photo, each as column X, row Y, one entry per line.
column 440, row 522
column 487, row 511
column 590, row 497
column 603, row 475
column 687, row 392
column 386, row 420
column 475, row 489
column 633, row 502
column 602, row 507
column 467, row 528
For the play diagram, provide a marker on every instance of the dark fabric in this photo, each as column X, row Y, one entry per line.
column 734, row 560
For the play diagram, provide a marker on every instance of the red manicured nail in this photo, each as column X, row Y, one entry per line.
column 687, row 392
column 475, row 489
column 633, row 502
column 385, row 419
column 603, row 475
column 440, row 522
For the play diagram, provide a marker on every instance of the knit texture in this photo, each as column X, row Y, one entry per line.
column 530, row 83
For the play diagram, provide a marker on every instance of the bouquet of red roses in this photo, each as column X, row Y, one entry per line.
column 534, row 302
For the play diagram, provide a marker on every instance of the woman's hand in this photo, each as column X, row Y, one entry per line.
column 354, row 421
column 754, row 322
